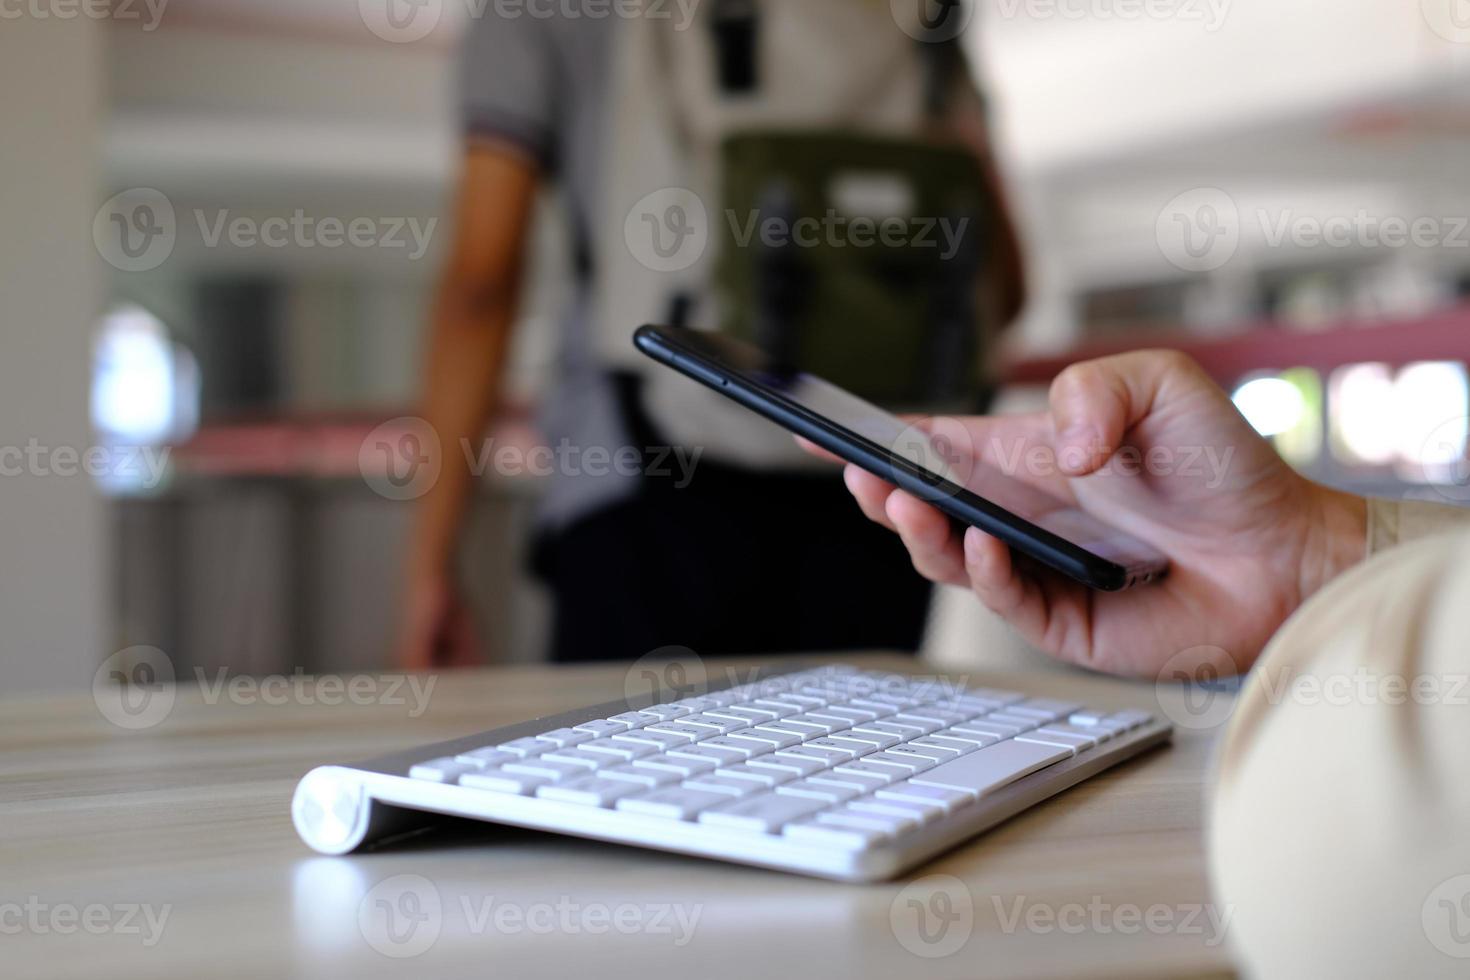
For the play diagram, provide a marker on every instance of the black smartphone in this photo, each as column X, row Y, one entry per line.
column 1033, row 523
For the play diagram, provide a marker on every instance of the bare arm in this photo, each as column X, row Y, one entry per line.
column 474, row 310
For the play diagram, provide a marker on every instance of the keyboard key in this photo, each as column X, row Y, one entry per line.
column 684, row 768
column 714, row 754
column 1044, row 708
column 1070, row 742
column 900, row 732
column 592, row 791
column 850, row 748
column 1094, row 734
column 915, row 726
column 587, row 760
column 826, row 756
column 674, row 803
column 739, row 743
column 804, row 730
column 641, row 777
column 984, row 726
column 853, row 712
column 878, row 740
column 766, row 813
column 917, row 810
column 546, row 769
column 836, row 838
column 500, row 781
column 665, row 712
column 950, row 799
column 716, row 724
column 480, row 758
column 775, row 738
column 601, row 728
column 1024, row 722
column 914, row 749
column 1087, row 716
column 793, row 764
column 696, row 704
column 831, row 792
column 778, row 708
column 526, row 747
column 689, row 733
column 962, row 734
column 940, row 717
column 566, row 737
column 441, row 770
column 627, row 751
column 986, row 770
column 910, row 762
column 751, row 716
column 716, row 783
column 763, row 775
column 861, row 781
column 660, row 740
column 887, row 774
column 634, row 719
column 888, row 825
column 939, row 743
column 827, row 724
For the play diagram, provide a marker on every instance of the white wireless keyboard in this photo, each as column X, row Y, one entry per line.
column 827, row 771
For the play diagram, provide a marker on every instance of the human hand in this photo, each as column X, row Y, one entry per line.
column 1147, row 443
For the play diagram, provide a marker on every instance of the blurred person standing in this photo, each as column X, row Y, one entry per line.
column 644, row 119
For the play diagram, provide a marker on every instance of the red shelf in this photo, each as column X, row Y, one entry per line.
column 1442, row 336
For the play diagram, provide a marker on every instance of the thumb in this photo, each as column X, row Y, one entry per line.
column 1095, row 403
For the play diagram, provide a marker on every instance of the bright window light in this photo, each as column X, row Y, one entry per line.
column 1431, row 400
column 1364, row 423
column 1271, row 405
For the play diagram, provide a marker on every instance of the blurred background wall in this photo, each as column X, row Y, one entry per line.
column 1169, row 166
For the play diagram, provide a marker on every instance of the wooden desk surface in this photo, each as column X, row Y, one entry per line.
column 169, row 852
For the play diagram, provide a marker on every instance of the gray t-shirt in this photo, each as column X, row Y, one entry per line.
column 543, row 84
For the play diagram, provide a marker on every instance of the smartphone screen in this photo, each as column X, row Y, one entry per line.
column 955, row 481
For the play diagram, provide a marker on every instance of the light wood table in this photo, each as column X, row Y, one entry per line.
column 101, row 827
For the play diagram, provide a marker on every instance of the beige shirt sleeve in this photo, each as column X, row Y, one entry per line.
column 1340, row 818
column 1393, row 522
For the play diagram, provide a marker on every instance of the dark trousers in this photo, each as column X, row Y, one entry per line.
column 739, row 561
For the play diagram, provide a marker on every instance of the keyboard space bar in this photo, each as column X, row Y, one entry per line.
column 992, row 767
